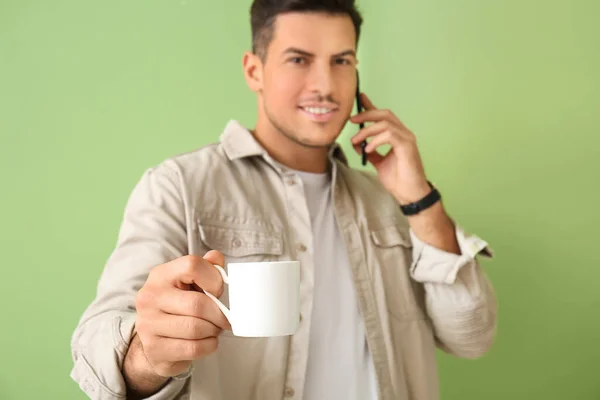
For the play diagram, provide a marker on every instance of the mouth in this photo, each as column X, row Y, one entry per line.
column 319, row 114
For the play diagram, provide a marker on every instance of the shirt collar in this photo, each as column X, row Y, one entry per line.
column 238, row 142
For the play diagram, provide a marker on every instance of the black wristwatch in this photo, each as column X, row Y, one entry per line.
column 414, row 208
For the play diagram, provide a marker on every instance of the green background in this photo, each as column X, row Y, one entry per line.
column 503, row 96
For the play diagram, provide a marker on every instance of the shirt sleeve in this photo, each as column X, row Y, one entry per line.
column 459, row 298
column 153, row 232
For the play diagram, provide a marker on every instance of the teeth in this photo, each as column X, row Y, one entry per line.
column 317, row 110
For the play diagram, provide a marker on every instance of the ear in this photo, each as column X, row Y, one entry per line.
column 252, row 71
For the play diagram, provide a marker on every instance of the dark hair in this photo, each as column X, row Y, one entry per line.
column 264, row 12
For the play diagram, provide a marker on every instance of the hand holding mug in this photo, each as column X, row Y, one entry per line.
column 176, row 321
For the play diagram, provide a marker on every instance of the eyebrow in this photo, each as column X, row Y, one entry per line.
column 294, row 50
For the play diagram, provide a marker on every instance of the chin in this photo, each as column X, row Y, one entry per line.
column 311, row 134
column 324, row 134
column 318, row 138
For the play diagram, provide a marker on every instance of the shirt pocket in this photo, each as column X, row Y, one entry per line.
column 392, row 248
column 240, row 243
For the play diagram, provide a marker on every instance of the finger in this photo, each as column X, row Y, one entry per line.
column 192, row 304
column 373, row 157
column 369, row 131
column 375, row 116
column 378, row 128
column 215, row 257
column 369, row 116
column 195, row 270
column 180, row 327
column 387, row 137
column 173, row 350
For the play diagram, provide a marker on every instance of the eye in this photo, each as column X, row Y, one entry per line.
column 297, row 60
column 342, row 61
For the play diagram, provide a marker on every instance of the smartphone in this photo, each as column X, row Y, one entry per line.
column 359, row 109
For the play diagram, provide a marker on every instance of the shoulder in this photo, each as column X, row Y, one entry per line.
column 206, row 159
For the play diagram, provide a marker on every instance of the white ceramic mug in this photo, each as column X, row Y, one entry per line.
column 264, row 298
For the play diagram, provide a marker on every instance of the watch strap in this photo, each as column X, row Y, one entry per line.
column 418, row 206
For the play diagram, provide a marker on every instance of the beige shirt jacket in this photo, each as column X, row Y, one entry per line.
column 232, row 197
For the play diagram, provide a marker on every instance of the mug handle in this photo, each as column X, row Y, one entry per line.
column 221, row 306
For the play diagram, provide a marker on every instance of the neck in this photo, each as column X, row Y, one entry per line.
column 290, row 153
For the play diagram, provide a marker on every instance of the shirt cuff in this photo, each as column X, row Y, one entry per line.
column 431, row 264
column 98, row 362
column 98, row 366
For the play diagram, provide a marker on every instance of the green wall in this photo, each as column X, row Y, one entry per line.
column 502, row 95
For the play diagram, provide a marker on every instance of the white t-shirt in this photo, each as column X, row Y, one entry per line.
column 339, row 362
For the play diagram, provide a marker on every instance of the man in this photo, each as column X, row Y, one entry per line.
column 380, row 289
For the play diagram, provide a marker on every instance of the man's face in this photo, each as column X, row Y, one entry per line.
column 309, row 77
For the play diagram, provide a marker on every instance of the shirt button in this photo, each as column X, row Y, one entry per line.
column 291, row 182
column 237, row 243
column 289, row 392
column 301, row 247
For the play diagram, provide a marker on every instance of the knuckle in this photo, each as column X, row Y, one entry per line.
column 149, row 344
column 198, row 304
column 144, row 299
column 189, row 263
column 187, row 351
column 193, row 328
column 141, row 326
column 185, row 328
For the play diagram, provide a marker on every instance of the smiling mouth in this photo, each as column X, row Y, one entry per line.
column 318, row 110
column 319, row 114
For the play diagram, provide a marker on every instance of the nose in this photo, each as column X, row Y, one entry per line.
column 321, row 79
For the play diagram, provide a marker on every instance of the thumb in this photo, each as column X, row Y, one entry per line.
column 215, row 257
